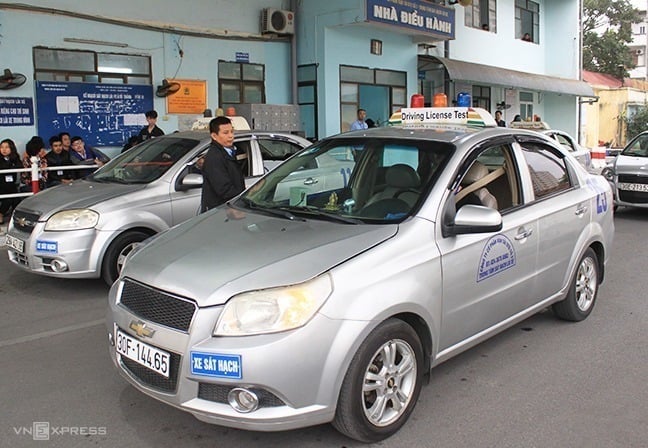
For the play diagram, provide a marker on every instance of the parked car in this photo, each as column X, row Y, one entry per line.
column 278, row 311
column 85, row 229
column 583, row 155
column 628, row 173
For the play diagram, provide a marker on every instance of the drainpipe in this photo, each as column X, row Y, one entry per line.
column 579, row 111
column 293, row 55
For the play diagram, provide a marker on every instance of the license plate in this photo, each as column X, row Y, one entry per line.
column 633, row 187
column 15, row 243
column 142, row 353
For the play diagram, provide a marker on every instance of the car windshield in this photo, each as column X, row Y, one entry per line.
column 145, row 162
column 351, row 181
column 638, row 147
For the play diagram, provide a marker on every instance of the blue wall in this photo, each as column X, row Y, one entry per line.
column 22, row 30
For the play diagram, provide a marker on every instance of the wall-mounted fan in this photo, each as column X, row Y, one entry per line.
column 167, row 88
column 502, row 105
column 11, row 80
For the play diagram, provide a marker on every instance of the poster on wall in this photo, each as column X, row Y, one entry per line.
column 102, row 114
column 190, row 99
column 16, row 111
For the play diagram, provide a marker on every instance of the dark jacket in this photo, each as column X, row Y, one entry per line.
column 145, row 134
column 222, row 178
column 62, row 159
column 9, row 182
column 90, row 155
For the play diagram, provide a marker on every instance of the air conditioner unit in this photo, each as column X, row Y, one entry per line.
column 277, row 21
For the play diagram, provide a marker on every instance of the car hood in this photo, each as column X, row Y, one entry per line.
column 78, row 194
column 631, row 165
column 212, row 257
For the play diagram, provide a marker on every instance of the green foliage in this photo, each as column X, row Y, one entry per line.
column 607, row 30
column 637, row 122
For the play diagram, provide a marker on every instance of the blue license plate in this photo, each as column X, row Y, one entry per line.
column 216, row 365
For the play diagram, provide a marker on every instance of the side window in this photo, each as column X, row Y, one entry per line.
column 243, row 156
column 549, row 173
column 566, row 143
column 277, row 149
column 490, row 180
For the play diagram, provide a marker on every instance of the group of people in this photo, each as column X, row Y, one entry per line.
column 64, row 150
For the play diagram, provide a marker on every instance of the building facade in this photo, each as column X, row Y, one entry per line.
column 326, row 59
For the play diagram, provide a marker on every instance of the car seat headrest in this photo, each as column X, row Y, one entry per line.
column 402, row 176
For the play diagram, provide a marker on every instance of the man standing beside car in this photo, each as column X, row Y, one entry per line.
column 222, row 175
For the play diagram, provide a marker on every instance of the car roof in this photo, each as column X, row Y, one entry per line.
column 204, row 134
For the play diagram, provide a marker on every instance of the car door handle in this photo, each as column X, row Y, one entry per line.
column 580, row 211
column 524, row 233
column 310, row 181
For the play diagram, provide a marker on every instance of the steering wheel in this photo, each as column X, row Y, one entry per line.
column 406, row 190
column 384, row 207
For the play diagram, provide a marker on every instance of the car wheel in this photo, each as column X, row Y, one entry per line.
column 117, row 252
column 582, row 292
column 382, row 384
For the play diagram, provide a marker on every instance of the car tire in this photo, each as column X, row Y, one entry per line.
column 377, row 397
column 582, row 292
column 117, row 252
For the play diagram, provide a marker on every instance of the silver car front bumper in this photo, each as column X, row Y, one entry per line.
column 297, row 373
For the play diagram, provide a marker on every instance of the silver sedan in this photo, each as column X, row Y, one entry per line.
column 86, row 229
column 283, row 310
column 628, row 173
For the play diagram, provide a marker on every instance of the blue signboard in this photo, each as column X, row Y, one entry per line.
column 16, row 111
column 102, row 114
column 417, row 15
column 242, row 56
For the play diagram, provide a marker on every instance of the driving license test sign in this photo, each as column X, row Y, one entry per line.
column 466, row 116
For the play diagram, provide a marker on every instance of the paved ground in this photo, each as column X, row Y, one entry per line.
column 543, row 383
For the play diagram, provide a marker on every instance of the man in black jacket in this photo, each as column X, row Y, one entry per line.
column 58, row 157
column 150, row 130
column 222, row 175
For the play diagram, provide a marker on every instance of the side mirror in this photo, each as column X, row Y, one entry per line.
column 191, row 181
column 475, row 219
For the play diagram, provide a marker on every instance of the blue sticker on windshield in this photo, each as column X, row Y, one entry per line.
column 498, row 256
column 51, row 247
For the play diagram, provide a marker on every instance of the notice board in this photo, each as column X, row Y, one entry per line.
column 190, row 99
column 102, row 114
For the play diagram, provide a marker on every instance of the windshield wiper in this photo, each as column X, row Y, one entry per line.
column 323, row 213
column 272, row 211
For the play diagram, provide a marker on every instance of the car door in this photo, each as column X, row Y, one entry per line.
column 563, row 210
column 487, row 276
column 185, row 200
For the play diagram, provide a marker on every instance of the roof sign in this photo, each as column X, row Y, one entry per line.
column 466, row 116
column 532, row 125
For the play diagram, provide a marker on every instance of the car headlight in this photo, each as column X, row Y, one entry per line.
column 72, row 220
column 273, row 310
column 608, row 173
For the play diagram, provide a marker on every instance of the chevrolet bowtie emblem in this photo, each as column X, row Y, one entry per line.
column 21, row 221
column 141, row 329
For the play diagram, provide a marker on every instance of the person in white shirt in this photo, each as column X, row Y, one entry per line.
column 360, row 122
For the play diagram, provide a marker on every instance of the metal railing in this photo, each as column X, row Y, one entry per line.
column 35, row 171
